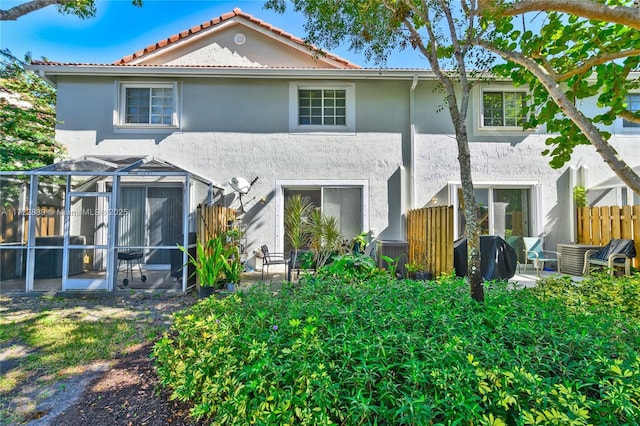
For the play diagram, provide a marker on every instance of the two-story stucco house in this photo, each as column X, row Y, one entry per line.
column 236, row 97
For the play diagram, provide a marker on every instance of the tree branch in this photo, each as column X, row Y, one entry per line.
column 628, row 115
column 591, row 132
column 431, row 51
column 628, row 16
column 80, row 8
column 597, row 60
column 24, row 8
column 459, row 53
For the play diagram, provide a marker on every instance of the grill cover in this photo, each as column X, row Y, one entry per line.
column 498, row 258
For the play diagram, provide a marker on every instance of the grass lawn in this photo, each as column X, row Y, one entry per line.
column 48, row 339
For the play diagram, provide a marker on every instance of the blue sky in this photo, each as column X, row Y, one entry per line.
column 119, row 29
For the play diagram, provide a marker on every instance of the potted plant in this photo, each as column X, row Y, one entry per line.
column 419, row 270
column 209, row 264
column 424, row 273
column 423, row 276
column 296, row 212
column 412, row 268
column 359, row 243
column 580, row 196
column 326, row 238
column 232, row 267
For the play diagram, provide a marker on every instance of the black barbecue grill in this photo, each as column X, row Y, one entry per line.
column 130, row 257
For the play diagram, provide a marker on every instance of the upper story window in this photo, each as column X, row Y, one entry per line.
column 147, row 105
column 325, row 107
column 503, row 108
column 322, row 107
column 633, row 105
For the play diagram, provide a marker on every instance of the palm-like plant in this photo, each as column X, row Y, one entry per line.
column 326, row 238
column 296, row 213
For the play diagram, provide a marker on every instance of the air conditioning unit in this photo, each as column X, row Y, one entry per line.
column 572, row 257
column 395, row 250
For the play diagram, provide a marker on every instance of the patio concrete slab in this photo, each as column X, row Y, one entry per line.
column 529, row 278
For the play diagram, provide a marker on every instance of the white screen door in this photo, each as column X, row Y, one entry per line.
column 86, row 253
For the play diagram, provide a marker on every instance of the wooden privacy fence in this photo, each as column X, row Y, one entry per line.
column 213, row 220
column 48, row 220
column 430, row 237
column 598, row 225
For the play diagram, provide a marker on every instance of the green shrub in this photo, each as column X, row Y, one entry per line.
column 600, row 292
column 402, row 352
column 350, row 268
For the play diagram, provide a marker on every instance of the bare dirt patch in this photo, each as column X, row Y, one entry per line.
column 127, row 394
column 122, row 391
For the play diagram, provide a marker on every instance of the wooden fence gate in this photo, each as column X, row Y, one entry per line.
column 598, row 225
column 213, row 220
column 430, row 237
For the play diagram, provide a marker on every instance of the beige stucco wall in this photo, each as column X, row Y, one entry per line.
column 218, row 47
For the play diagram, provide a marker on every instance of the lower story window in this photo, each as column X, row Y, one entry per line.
column 154, row 218
column 345, row 203
column 505, row 212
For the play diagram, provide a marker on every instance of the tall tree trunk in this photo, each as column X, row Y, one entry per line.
column 472, row 230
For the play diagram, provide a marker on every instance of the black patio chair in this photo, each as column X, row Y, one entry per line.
column 617, row 254
column 269, row 259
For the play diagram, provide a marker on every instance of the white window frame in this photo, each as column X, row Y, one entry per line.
column 348, row 128
column 119, row 113
column 535, row 204
column 620, row 128
column 501, row 90
column 281, row 185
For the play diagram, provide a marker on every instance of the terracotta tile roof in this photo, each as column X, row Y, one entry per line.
column 178, row 66
column 191, row 66
column 222, row 18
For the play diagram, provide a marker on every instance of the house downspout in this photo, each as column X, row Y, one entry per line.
column 572, row 206
column 412, row 142
column 43, row 75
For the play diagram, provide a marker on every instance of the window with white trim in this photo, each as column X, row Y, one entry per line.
column 147, row 105
column 322, row 107
column 325, row 107
column 503, row 108
column 345, row 200
column 504, row 210
column 633, row 105
column 344, row 203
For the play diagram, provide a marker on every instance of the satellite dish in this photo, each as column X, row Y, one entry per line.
column 240, row 184
column 242, row 187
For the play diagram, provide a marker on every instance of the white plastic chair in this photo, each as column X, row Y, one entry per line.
column 533, row 252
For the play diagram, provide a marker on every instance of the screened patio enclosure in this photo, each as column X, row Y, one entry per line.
column 99, row 223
